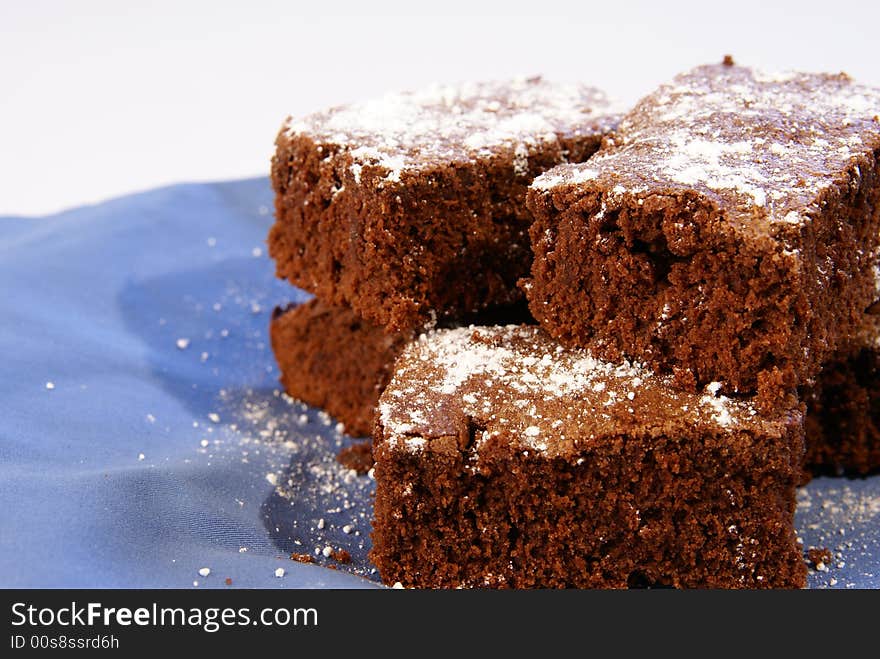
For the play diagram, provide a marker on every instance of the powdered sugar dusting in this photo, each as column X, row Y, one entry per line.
column 553, row 178
column 517, row 379
column 759, row 145
column 411, row 131
column 719, row 404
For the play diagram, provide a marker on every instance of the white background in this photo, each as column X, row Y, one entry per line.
column 100, row 97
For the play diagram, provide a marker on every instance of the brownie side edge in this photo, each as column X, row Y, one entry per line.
column 330, row 358
column 693, row 512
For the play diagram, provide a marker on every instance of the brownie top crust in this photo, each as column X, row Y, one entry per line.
column 517, row 381
column 762, row 146
column 442, row 124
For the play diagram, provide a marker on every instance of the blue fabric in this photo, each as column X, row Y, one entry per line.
column 95, row 301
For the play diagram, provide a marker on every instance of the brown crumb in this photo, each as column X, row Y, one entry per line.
column 341, row 556
column 228, row 581
column 302, row 558
column 357, row 456
column 819, row 556
column 728, row 60
column 775, row 388
column 684, row 378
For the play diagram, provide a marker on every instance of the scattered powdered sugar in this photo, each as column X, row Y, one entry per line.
column 275, row 458
column 695, row 161
column 458, row 366
column 841, row 519
column 574, row 174
column 519, row 378
column 291, row 448
column 551, row 178
column 772, row 77
column 761, row 144
column 365, row 155
column 413, row 130
column 719, row 404
column 520, row 160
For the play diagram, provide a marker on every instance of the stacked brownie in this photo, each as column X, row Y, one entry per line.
column 409, row 211
column 691, row 279
column 729, row 232
column 525, row 464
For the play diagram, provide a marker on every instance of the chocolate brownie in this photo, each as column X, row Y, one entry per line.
column 724, row 233
column 843, row 409
column 412, row 206
column 505, row 460
column 332, row 359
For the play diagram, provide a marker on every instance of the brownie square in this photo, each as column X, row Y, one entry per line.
column 331, row 358
column 724, row 233
column 504, row 460
column 411, row 207
column 843, row 409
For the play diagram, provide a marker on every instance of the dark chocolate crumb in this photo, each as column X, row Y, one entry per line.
column 685, row 379
column 228, row 581
column 341, row 556
column 819, row 556
column 302, row 558
column 728, row 60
